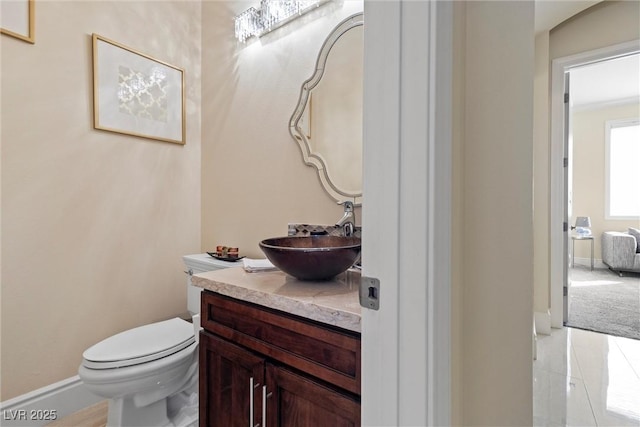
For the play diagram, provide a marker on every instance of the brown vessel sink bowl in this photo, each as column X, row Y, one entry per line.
column 312, row 257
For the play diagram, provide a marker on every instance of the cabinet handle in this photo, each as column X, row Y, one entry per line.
column 265, row 396
column 251, row 402
column 255, row 386
column 264, row 406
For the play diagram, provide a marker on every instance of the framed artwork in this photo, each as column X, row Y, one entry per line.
column 17, row 19
column 135, row 94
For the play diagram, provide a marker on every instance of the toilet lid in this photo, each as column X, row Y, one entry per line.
column 140, row 345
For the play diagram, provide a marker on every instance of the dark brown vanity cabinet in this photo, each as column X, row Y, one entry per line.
column 262, row 367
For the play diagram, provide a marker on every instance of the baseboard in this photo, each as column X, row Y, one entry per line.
column 543, row 322
column 597, row 263
column 49, row 403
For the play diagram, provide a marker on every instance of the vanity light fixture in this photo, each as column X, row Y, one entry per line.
column 272, row 14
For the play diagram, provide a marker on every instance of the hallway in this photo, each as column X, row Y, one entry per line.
column 583, row 378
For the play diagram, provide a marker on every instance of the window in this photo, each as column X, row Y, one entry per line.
column 623, row 169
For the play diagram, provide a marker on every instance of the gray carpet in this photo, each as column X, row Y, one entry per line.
column 601, row 301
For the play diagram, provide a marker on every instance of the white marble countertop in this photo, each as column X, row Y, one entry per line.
column 333, row 302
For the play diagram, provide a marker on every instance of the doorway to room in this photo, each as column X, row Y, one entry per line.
column 600, row 145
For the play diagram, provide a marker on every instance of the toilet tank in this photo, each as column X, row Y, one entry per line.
column 199, row 263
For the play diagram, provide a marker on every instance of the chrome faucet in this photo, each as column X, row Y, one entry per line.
column 348, row 220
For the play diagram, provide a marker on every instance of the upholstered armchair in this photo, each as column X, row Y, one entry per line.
column 619, row 251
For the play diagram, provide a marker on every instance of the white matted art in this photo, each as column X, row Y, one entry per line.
column 17, row 19
column 135, row 94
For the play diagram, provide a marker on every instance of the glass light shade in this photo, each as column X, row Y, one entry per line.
column 583, row 223
column 247, row 24
column 271, row 15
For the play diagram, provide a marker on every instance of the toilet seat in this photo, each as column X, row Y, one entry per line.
column 140, row 345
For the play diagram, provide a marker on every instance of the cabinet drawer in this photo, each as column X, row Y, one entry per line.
column 330, row 354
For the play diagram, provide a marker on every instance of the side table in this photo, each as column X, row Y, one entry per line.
column 575, row 237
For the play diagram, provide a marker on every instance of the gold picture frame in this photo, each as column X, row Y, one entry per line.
column 135, row 94
column 18, row 19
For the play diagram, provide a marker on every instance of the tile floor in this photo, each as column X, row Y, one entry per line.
column 584, row 378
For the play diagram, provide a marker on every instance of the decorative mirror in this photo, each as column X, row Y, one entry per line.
column 327, row 122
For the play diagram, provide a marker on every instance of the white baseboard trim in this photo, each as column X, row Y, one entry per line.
column 543, row 322
column 597, row 263
column 52, row 402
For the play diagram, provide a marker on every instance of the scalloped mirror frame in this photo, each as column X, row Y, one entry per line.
column 311, row 158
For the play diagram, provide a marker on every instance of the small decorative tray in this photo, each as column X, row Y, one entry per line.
column 225, row 258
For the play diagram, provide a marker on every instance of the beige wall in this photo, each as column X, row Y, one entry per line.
column 589, row 172
column 605, row 24
column 541, row 174
column 496, row 214
column 254, row 181
column 94, row 224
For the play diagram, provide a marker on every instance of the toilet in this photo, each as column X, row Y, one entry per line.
column 149, row 374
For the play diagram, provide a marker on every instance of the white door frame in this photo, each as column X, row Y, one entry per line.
column 559, row 67
column 406, row 348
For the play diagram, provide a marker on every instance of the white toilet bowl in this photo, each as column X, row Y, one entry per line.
column 137, row 370
column 150, row 373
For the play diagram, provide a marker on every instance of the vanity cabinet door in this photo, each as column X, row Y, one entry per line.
column 323, row 352
column 231, row 384
column 294, row 400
